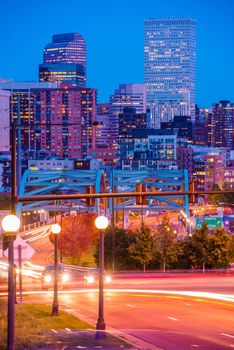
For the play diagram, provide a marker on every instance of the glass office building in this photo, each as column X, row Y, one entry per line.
column 63, row 73
column 64, row 60
column 170, row 63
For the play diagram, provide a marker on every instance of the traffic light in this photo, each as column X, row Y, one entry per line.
column 90, row 202
column 142, row 200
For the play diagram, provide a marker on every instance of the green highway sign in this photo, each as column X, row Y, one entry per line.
column 212, row 221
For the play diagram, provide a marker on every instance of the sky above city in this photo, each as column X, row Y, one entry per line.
column 114, row 35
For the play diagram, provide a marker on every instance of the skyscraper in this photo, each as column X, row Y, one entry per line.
column 64, row 60
column 170, row 66
column 127, row 95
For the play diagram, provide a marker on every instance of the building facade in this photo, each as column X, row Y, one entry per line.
column 155, row 149
column 127, row 95
column 63, row 73
column 170, row 66
column 130, row 120
column 4, row 121
column 222, row 125
column 64, row 60
column 53, row 120
column 214, row 171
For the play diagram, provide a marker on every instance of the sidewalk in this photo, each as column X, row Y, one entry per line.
column 133, row 343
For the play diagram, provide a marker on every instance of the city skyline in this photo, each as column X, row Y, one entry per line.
column 113, row 44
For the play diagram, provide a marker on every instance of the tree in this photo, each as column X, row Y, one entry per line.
column 226, row 198
column 219, row 247
column 231, row 248
column 199, row 246
column 123, row 240
column 78, row 232
column 142, row 251
column 183, row 255
column 165, row 242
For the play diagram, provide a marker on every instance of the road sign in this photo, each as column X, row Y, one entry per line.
column 212, row 221
column 26, row 250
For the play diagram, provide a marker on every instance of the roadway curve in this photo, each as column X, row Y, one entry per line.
column 160, row 311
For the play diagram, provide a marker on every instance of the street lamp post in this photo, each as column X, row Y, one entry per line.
column 101, row 224
column 11, row 225
column 55, row 229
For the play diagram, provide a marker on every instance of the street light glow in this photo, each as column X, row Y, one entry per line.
column 11, row 223
column 101, row 222
column 55, row 229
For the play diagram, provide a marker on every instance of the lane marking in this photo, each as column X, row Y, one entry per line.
column 187, row 304
column 130, row 305
column 172, row 318
column 53, row 330
column 228, row 335
column 68, row 329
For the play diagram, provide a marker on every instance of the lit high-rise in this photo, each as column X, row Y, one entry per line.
column 64, row 60
column 127, row 95
column 170, row 66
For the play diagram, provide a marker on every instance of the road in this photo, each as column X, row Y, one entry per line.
column 165, row 311
column 168, row 313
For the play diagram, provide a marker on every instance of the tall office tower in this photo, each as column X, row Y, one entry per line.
column 4, row 121
column 127, row 95
column 222, row 125
column 64, row 60
column 170, row 67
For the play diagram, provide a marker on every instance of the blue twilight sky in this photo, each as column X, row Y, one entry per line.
column 114, row 34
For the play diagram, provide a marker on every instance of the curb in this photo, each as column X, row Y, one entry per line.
column 137, row 344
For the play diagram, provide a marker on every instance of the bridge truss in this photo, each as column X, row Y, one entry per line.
column 38, row 182
column 155, row 181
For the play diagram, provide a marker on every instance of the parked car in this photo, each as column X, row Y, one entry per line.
column 47, row 278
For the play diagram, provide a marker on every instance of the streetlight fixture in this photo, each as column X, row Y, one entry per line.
column 101, row 224
column 55, row 229
column 11, row 225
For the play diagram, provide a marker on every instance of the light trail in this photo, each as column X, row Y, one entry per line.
column 25, row 271
column 29, row 264
column 43, row 234
column 3, row 265
column 204, row 295
column 35, row 231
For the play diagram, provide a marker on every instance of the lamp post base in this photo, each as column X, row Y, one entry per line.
column 100, row 325
column 100, row 333
column 100, row 329
column 55, row 310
